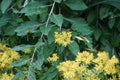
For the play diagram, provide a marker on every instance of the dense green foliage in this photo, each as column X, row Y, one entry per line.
column 30, row 24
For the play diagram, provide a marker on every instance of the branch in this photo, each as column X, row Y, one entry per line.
column 46, row 24
column 50, row 14
column 33, row 56
column 31, row 61
column 25, row 3
column 51, row 11
column 42, row 33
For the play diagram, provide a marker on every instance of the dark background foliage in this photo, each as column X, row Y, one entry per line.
column 23, row 23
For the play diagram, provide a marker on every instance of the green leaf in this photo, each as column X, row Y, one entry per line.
column 50, row 73
column 43, row 17
column 27, row 27
column 1, row 31
column 97, row 33
column 19, row 63
column 116, row 42
column 45, row 30
column 89, row 44
column 9, row 30
column 51, row 37
column 39, row 62
column 18, row 76
column 81, row 26
column 105, row 42
column 5, row 4
column 91, row 17
column 76, row 5
column 21, row 47
column 83, row 29
column 47, row 50
column 34, row 8
column 39, row 43
column 4, row 20
column 74, row 48
column 58, row 1
column 111, row 23
column 61, row 49
column 104, row 12
column 115, row 3
column 57, row 19
column 31, row 74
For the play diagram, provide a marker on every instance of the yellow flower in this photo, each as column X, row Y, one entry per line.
column 114, row 78
column 53, row 58
column 63, row 38
column 15, row 55
column 102, row 58
column 5, row 76
column 114, row 60
column 99, row 67
column 7, row 56
column 85, row 57
column 103, row 62
column 81, row 70
column 76, row 78
column 68, row 68
column 110, row 67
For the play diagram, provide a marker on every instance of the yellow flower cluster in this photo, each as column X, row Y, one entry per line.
column 110, row 66
column 5, row 76
column 85, row 57
column 75, row 70
column 63, row 38
column 72, row 70
column 68, row 68
column 114, row 78
column 103, row 62
column 7, row 55
column 53, row 58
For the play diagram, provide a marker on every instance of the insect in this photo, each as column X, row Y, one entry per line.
column 2, row 51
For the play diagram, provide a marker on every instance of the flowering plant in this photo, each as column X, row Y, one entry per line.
column 7, row 56
column 88, row 67
column 44, row 39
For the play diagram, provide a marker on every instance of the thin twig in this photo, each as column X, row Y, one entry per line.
column 32, row 60
column 42, row 33
column 51, row 11
column 46, row 24
column 60, row 13
column 25, row 3
column 33, row 56
column 11, row 7
column 50, row 14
